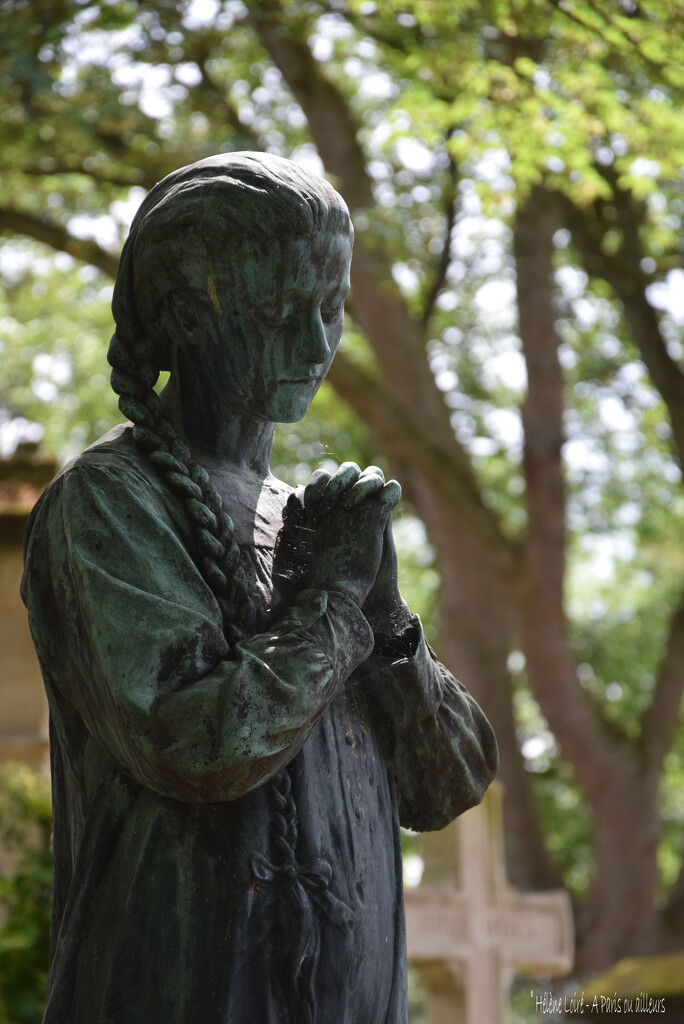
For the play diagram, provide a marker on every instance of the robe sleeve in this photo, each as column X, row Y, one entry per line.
column 439, row 747
column 129, row 635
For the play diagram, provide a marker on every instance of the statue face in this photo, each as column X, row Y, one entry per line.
column 281, row 322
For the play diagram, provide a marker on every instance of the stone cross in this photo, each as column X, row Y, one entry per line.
column 468, row 930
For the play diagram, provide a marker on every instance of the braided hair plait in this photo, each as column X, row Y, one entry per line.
column 216, row 552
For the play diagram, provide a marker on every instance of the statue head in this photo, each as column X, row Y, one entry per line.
column 234, row 276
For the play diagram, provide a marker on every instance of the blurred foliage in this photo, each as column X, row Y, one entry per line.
column 55, row 322
column 417, row 1004
column 25, row 893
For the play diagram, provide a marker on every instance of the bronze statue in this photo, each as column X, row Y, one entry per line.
column 242, row 707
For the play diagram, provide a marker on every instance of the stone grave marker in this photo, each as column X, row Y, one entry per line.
column 468, row 930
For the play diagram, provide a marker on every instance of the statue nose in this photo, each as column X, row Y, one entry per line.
column 319, row 347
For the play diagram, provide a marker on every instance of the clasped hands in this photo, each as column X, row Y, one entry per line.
column 337, row 535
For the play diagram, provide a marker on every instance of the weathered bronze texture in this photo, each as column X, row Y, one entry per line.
column 243, row 709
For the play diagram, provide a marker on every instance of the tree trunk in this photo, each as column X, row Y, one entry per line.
column 475, row 636
column 619, row 777
column 619, row 918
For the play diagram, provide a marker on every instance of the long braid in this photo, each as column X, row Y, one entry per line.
column 284, row 817
column 217, row 553
column 302, row 896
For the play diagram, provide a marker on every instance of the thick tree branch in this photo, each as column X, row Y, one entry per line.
column 330, row 122
column 450, row 202
column 122, row 177
column 550, row 660
column 622, row 271
column 660, row 722
column 619, row 789
column 42, row 229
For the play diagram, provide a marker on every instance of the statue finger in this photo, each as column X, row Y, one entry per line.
column 315, row 488
column 391, row 494
column 370, row 482
column 374, row 471
column 294, row 506
column 344, row 478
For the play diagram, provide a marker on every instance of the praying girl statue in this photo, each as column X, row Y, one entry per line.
column 242, row 708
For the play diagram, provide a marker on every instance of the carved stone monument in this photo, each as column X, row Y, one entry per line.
column 468, row 929
column 242, row 708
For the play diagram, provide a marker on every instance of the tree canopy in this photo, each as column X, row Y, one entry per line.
column 514, row 346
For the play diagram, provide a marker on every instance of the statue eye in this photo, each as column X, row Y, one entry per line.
column 275, row 318
column 331, row 313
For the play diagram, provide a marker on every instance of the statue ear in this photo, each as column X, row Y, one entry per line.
column 181, row 306
column 191, row 317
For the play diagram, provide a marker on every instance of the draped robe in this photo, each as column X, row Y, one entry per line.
column 173, row 903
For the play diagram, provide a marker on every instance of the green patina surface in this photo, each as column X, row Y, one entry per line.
column 243, row 709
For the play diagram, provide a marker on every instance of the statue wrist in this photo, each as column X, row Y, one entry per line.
column 399, row 643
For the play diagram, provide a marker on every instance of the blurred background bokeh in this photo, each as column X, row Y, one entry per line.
column 513, row 355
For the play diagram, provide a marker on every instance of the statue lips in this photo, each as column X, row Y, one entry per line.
column 309, row 379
